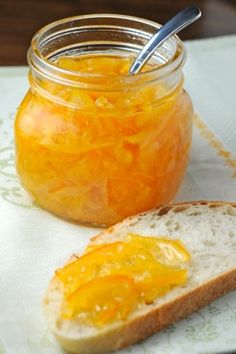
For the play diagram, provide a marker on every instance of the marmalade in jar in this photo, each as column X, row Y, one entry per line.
column 107, row 145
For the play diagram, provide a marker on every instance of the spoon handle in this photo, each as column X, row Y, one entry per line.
column 174, row 25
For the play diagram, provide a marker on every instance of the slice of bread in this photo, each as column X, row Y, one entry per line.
column 208, row 231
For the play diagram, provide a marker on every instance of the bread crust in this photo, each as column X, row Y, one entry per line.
column 158, row 318
column 164, row 209
column 179, row 308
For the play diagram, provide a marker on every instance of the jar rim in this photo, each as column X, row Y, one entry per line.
column 42, row 65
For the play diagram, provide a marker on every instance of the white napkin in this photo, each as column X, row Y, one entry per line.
column 210, row 74
column 33, row 242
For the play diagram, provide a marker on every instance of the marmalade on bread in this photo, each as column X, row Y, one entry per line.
column 111, row 280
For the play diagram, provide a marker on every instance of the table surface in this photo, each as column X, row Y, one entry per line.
column 20, row 19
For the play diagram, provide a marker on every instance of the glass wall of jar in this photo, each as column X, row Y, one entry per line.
column 94, row 144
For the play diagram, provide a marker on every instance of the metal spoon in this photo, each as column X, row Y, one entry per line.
column 174, row 25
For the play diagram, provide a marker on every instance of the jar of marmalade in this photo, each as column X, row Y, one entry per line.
column 94, row 144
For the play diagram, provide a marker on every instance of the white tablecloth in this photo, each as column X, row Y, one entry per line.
column 33, row 242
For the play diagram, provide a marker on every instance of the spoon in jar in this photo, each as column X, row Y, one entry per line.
column 183, row 19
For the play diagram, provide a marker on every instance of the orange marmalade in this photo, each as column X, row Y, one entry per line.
column 94, row 144
column 112, row 280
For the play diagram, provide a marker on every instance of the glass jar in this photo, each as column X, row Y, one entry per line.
column 96, row 147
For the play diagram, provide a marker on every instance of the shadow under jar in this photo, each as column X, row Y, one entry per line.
column 94, row 144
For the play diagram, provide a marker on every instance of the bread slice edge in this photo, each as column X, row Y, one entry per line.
column 140, row 327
